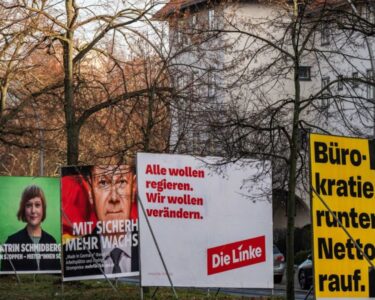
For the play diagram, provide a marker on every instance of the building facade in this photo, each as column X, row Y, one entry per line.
column 243, row 66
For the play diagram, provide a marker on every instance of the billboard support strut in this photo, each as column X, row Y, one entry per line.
column 157, row 247
column 15, row 272
column 154, row 293
column 93, row 257
column 309, row 292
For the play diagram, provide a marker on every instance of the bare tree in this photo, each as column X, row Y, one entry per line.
column 78, row 31
column 280, row 90
column 277, row 108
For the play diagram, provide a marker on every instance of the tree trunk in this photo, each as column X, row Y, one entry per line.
column 150, row 121
column 3, row 97
column 72, row 129
column 291, row 204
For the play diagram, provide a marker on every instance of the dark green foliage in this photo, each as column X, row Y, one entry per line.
column 302, row 239
column 301, row 256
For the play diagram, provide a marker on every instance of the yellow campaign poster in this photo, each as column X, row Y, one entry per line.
column 343, row 191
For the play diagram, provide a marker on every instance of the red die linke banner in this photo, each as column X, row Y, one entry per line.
column 236, row 255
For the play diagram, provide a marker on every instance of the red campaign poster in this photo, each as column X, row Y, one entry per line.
column 99, row 222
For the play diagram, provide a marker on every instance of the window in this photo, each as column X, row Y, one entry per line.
column 355, row 82
column 325, row 93
column 324, row 34
column 304, row 73
column 370, row 86
column 301, row 8
column 196, row 141
column 341, row 19
column 211, row 85
column 325, row 82
column 192, row 85
column 181, row 33
column 369, row 12
column 211, row 19
column 340, row 83
column 179, row 36
column 194, row 22
column 182, row 84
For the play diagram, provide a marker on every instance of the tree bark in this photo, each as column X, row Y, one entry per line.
column 72, row 130
column 3, row 97
column 291, row 204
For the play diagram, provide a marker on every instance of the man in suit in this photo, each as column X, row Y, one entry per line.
column 111, row 246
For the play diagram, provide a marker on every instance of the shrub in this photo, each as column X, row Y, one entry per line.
column 301, row 256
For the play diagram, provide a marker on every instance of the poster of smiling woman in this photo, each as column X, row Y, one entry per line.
column 29, row 227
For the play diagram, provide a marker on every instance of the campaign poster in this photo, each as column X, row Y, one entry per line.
column 343, row 216
column 29, row 227
column 213, row 226
column 99, row 222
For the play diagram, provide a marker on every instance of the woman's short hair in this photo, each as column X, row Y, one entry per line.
column 31, row 192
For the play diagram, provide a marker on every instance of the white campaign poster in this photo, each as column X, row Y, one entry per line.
column 213, row 226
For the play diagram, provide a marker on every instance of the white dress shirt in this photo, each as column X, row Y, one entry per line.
column 125, row 259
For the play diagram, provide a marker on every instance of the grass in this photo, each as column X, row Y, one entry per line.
column 50, row 287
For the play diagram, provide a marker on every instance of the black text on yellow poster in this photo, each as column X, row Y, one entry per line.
column 343, row 175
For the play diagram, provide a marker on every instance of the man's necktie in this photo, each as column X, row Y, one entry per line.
column 116, row 257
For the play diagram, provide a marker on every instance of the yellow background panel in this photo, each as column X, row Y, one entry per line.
column 340, row 171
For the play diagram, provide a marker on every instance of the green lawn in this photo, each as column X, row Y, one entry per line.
column 50, row 287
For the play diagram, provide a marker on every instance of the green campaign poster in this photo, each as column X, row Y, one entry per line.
column 30, row 225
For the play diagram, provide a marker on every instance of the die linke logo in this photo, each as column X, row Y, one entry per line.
column 236, row 255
